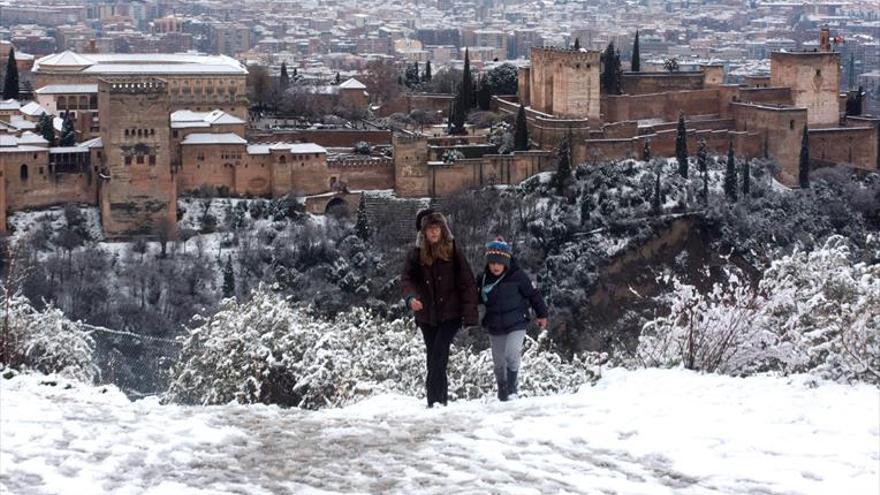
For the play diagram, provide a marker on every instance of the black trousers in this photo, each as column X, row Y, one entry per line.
column 438, row 339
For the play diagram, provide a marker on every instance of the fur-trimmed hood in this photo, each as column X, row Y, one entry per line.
column 432, row 217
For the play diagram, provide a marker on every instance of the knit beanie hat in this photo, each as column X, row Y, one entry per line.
column 499, row 251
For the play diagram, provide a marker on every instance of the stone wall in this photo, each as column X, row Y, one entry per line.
column 640, row 83
column 814, row 79
column 363, row 174
column 745, row 145
column 780, row 131
column 854, row 146
column 407, row 102
column 664, row 106
column 411, row 166
column 328, row 138
column 30, row 182
column 766, row 96
column 448, row 178
column 137, row 191
column 211, row 165
column 565, row 83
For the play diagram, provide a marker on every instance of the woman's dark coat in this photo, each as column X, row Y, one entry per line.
column 446, row 289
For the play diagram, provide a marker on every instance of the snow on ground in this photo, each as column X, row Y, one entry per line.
column 642, row 432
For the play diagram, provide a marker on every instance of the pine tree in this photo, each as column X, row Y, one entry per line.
column 656, row 198
column 284, row 78
column 46, row 128
column 563, row 164
column 577, row 44
column 484, row 94
column 747, row 178
column 362, row 226
column 228, row 278
column 68, row 133
column 521, row 131
column 426, row 77
column 646, row 151
column 730, row 174
column 463, row 101
column 636, row 64
column 10, row 84
column 804, row 163
column 702, row 166
column 681, row 150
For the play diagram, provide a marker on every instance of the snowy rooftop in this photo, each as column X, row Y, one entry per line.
column 66, row 89
column 139, row 63
column 182, row 119
column 32, row 108
column 352, row 83
column 208, row 138
column 296, row 148
column 10, row 105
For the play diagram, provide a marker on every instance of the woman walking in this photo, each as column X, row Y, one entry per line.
column 508, row 293
column 438, row 286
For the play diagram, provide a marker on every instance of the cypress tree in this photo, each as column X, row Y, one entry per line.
column 285, row 77
column 521, row 131
column 577, row 44
column 804, row 163
column 636, row 64
column 646, row 151
column 701, row 164
column 10, row 84
column 427, row 76
column 46, row 128
column 681, row 150
column 464, row 98
column 68, row 134
column 610, row 76
column 747, row 178
column 851, row 77
column 730, row 174
column 338, row 79
column 228, row 278
column 563, row 164
column 362, row 226
column 484, row 94
column 656, row 200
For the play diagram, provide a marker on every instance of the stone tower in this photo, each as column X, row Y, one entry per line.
column 411, row 166
column 814, row 79
column 565, row 83
column 137, row 193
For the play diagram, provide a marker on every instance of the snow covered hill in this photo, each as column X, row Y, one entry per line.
column 635, row 432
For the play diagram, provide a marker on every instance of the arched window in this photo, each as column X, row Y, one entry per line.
column 282, row 159
column 23, row 172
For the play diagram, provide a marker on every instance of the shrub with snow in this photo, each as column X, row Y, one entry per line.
column 816, row 311
column 267, row 350
column 48, row 342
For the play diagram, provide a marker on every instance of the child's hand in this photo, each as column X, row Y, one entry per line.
column 542, row 323
column 416, row 305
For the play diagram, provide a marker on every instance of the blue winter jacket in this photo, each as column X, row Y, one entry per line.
column 508, row 303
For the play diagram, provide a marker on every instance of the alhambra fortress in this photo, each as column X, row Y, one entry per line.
column 151, row 128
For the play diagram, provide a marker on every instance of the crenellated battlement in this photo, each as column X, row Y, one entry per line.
column 361, row 163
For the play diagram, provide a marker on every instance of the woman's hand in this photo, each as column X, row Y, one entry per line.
column 416, row 305
column 542, row 323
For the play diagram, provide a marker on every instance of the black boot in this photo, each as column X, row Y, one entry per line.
column 502, row 389
column 511, row 384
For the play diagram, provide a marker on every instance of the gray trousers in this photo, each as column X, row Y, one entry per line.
column 506, row 352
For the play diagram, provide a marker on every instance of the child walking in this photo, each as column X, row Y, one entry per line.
column 508, row 293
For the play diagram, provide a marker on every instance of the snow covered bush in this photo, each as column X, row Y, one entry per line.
column 48, row 342
column 816, row 311
column 267, row 350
